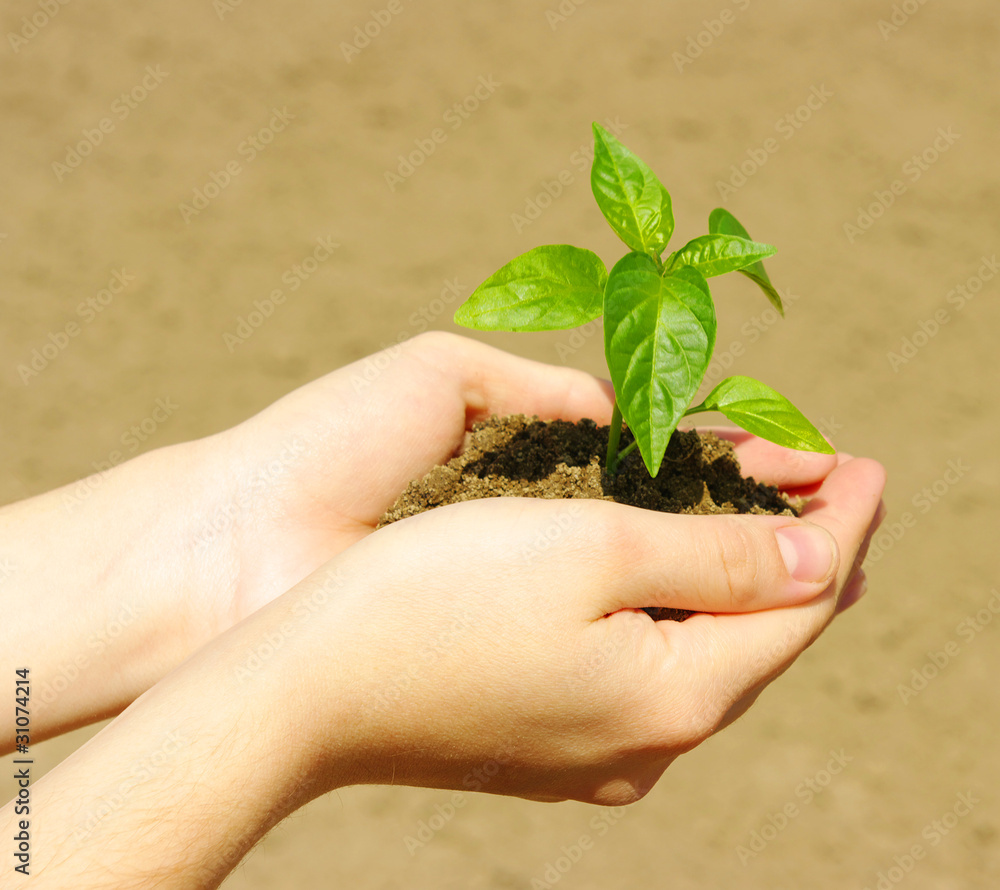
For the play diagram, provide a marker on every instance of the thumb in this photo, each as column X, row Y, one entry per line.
column 732, row 563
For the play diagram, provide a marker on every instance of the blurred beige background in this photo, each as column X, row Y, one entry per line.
column 164, row 167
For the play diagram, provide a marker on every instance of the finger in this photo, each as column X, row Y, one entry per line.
column 495, row 382
column 749, row 650
column 880, row 515
column 418, row 400
column 856, row 588
column 866, row 543
column 847, row 504
column 774, row 465
column 727, row 563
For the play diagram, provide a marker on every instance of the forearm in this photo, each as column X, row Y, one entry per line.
column 178, row 788
column 101, row 583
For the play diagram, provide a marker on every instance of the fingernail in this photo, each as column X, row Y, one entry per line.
column 807, row 551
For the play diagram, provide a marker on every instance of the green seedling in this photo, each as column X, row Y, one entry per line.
column 659, row 317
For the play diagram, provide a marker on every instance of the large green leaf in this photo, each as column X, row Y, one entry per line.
column 546, row 289
column 630, row 196
column 765, row 413
column 718, row 254
column 658, row 337
column 722, row 222
column 703, row 309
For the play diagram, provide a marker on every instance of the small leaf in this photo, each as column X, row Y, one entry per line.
column 765, row 413
column 546, row 289
column 718, row 254
column 630, row 196
column 722, row 222
column 658, row 337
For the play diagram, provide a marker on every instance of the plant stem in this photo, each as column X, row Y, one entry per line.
column 697, row 409
column 627, row 450
column 614, row 436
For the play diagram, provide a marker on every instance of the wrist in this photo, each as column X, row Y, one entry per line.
column 113, row 598
column 181, row 785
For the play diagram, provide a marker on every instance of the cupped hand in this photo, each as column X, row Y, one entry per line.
column 502, row 639
column 311, row 475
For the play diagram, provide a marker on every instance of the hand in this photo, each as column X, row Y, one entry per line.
column 157, row 556
column 355, row 438
column 362, row 433
column 170, row 549
column 508, row 631
column 493, row 645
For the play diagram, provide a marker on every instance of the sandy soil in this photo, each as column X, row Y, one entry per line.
column 210, row 77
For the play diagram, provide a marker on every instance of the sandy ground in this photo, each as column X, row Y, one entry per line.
column 698, row 87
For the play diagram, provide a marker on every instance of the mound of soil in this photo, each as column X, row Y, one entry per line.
column 519, row 456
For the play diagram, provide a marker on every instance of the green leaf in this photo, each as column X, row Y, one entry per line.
column 722, row 222
column 546, row 289
column 658, row 338
column 630, row 196
column 765, row 413
column 718, row 254
column 704, row 310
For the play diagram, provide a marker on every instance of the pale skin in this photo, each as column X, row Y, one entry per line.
column 269, row 647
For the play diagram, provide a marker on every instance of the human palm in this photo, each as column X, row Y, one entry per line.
column 361, row 433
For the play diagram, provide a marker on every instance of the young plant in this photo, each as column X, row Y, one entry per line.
column 659, row 317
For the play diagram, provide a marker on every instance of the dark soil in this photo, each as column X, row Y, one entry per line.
column 518, row 456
